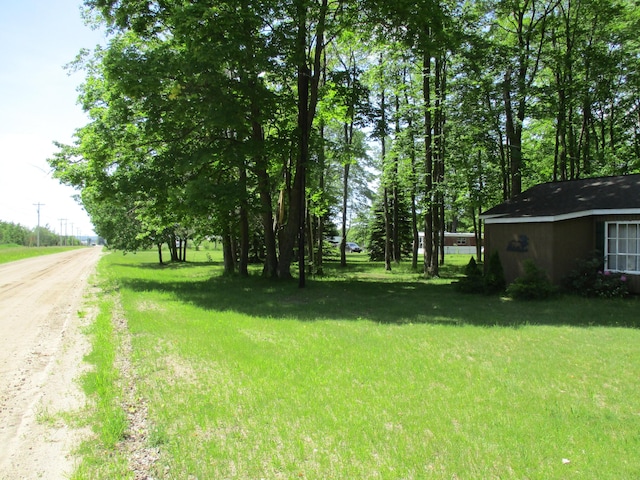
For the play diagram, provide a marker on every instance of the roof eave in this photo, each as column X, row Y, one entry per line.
column 505, row 218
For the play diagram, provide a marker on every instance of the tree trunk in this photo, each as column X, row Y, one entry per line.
column 173, row 249
column 300, row 183
column 243, row 264
column 428, row 163
column 504, row 170
column 387, row 232
column 183, row 253
column 345, row 196
column 310, row 239
column 396, row 194
column 319, row 268
column 414, row 210
column 560, row 162
column 295, row 218
column 320, row 233
column 228, row 254
column 383, row 154
column 514, row 139
column 438, row 169
column 477, row 225
column 308, row 82
column 270, row 268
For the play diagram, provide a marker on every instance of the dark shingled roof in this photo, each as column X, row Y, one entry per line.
column 573, row 196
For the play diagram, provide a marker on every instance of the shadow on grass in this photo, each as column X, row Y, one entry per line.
column 343, row 295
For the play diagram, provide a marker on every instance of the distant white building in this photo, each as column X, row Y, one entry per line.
column 454, row 242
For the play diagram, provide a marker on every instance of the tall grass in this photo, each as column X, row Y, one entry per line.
column 100, row 383
column 103, row 386
column 370, row 374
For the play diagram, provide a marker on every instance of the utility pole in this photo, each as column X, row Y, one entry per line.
column 61, row 220
column 38, row 228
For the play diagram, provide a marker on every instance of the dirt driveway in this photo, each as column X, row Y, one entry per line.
column 41, row 357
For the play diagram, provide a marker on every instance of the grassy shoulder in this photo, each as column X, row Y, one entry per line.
column 374, row 374
column 11, row 253
column 102, row 383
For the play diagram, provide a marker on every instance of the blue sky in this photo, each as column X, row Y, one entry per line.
column 38, row 105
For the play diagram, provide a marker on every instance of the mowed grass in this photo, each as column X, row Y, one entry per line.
column 367, row 374
column 11, row 252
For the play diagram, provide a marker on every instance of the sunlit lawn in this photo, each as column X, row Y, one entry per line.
column 369, row 374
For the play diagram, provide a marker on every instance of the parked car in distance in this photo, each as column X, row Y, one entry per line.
column 353, row 247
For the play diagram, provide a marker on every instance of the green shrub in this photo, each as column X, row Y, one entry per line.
column 472, row 282
column 494, row 281
column 491, row 283
column 533, row 285
column 472, row 269
column 590, row 279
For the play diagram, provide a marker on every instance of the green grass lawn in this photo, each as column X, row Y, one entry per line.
column 11, row 252
column 369, row 374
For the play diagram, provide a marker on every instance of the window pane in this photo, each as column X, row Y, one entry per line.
column 622, row 230
column 622, row 246
column 622, row 262
column 611, row 231
column 611, row 246
column 611, row 262
column 631, row 263
column 633, row 230
column 632, row 245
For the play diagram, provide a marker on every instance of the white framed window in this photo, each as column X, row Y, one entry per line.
column 622, row 246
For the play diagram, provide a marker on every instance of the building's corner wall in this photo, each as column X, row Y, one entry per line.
column 518, row 242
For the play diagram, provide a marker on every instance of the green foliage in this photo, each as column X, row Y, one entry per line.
column 590, row 279
column 472, row 269
column 494, row 281
column 12, row 233
column 489, row 282
column 533, row 285
column 194, row 110
column 376, row 244
column 473, row 280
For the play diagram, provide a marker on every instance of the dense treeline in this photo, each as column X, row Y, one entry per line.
column 13, row 233
column 264, row 121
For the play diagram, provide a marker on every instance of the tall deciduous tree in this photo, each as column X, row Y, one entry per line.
column 203, row 115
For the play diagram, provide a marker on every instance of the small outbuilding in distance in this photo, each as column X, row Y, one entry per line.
column 556, row 224
column 454, row 242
